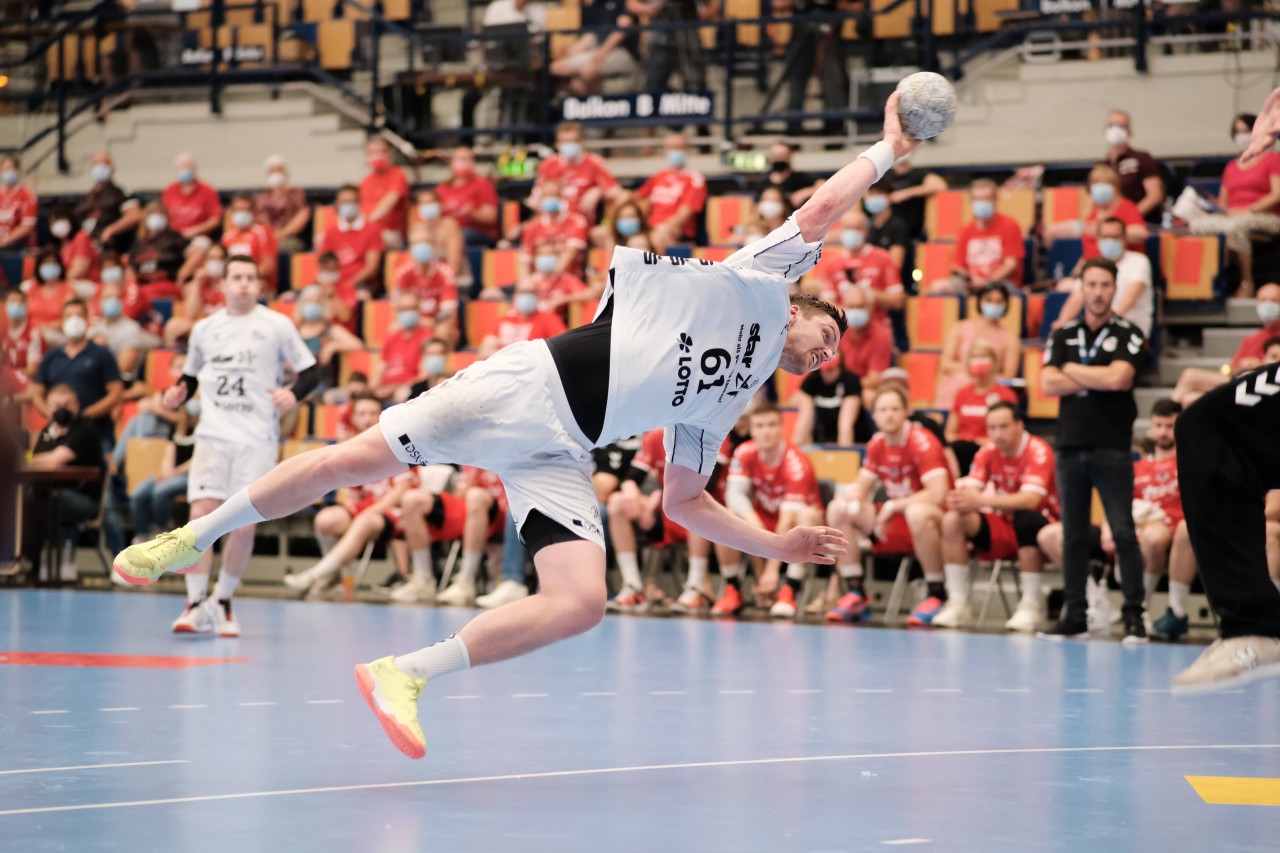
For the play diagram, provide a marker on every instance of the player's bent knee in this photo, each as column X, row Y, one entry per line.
column 919, row 514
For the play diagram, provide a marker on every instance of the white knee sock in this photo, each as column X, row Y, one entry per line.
column 1031, row 588
column 444, row 657
column 1149, row 582
column 421, row 561
column 470, row 566
column 328, row 566
column 630, row 568
column 1178, row 593
column 851, row 570
column 732, row 570
column 327, row 541
column 197, row 586
column 236, row 511
column 797, row 571
column 957, row 575
column 697, row 573
column 226, row 586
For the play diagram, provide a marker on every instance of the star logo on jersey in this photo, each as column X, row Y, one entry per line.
column 684, row 342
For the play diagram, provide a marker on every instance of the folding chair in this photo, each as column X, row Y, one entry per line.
column 899, row 591
column 994, row 585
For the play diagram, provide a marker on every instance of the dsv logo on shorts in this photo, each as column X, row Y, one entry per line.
column 412, row 451
column 683, row 371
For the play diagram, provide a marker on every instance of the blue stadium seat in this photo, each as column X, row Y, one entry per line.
column 1062, row 257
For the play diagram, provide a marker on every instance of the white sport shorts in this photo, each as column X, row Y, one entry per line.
column 507, row 414
column 221, row 468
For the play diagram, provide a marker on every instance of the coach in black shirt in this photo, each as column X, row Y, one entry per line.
column 829, row 401
column 1090, row 364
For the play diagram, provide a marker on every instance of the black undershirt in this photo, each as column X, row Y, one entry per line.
column 581, row 356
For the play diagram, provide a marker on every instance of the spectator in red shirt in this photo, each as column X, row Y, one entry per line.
column 47, row 293
column 628, row 221
column 1107, row 203
column 79, row 253
column 1195, row 382
column 21, row 345
column 443, row 232
column 523, row 322
column 558, row 223
column 430, row 280
column 281, row 207
column 676, row 196
column 855, row 263
column 18, row 208
column 557, row 289
column 966, row 429
column 136, row 304
column 201, row 296
column 384, row 194
column 357, row 242
column 583, row 179
column 989, row 248
column 470, row 199
column 314, row 316
column 402, row 351
column 193, row 206
column 247, row 236
column 866, row 348
column 328, row 275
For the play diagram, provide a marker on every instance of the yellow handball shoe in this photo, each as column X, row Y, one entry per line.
column 393, row 696
column 174, row 551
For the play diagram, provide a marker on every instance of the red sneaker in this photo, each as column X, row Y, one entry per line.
column 925, row 611
column 729, row 603
column 784, row 606
column 852, row 607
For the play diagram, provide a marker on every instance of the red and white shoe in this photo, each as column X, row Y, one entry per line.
column 729, row 604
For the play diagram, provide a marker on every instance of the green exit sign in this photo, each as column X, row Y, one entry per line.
column 517, row 163
column 748, row 161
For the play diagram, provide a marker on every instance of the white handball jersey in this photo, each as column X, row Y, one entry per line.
column 692, row 340
column 237, row 360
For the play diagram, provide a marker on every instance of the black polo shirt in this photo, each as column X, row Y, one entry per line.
column 82, row 439
column 1096, row 419
column 828, row 397
column 88, row 374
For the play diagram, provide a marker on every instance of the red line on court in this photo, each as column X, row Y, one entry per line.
column 124, row 661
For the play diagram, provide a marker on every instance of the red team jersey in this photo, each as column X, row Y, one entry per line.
column 980, row 249
column 1156, row 481
column 903, row 468
column 190, row 209
column 568, row 229
column 436, row 289
column 378, row 185
column 517, row 327
column 363, row 497
column 576, row 178
column 672, row 189
column 351, row 244
column 458, row 200
column 970, row 410
column 18, row 206
column 256, row 241
column 22, row 351
column 869, row 266
column 790, row 483
column 1031, row 469
column 402, row 354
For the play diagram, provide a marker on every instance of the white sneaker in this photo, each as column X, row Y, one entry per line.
column 298, row 583
column 783, row 610
column 1026, row 618
column 416, row 590
column 956, row 613
column 224, row 621
column 198, row 618
column 1230, row 663
column 461, row 593
column 1187, row 207
column 692, row 602
column 504, row 593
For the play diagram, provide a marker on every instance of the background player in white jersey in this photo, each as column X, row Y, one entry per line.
column 236, row 356
column 675, row 343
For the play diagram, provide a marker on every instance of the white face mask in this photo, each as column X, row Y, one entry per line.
column 60, row 229
column 74, row 327
column 242, row 219
column 215, row 267
column 1242, row 140
column 1115, row 135
column 770, row 209
column 275, row 180
column 156, row 222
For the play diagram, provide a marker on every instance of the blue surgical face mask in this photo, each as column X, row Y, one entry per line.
column 983, row 209
column 112, row 275
column 875, row 204
column 17, row 311
column 433, row 365
column 407, row 319
column 628, row 225
column 101, row 173
column 992, row 310
column 429, row 210
column 1102, row 194
column 526, row 303
column 312, row 312
column 186, row 176
column 9, row 177
column 570, row 150
column 677, row 157
column 50, row 272
column 242, row 219
column 858, row 317
column 112, row 308
column 422, row 252
column 545, row 264
column 1111, row 248
column 349, row 211
column 852, row 238
column 1268, row 312
column 157, row 222
column 550, row 205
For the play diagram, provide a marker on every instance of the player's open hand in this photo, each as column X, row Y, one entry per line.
column 812, row 545
column 902, row 144
column 1265, row 129
column 283, row 399
column 174, row 396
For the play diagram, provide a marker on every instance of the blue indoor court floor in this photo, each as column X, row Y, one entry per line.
column 644, row 735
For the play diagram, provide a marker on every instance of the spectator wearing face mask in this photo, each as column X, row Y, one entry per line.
column 313, row 317
column 559, row 224
column 106, row 212
column 435, row 367
column 384, row 194
column 19, row 208
column 470, row 199
column 1135, row 300
column 582, row 179
column 627, row 220
column 866, row 348
column 1139, row 173
column 80, row 256
column 136, row 304
column 90, row 369
column 201, row 296
column 675, row 197
column 159, row 254
column 401, row 352
column 328, row 275
column 989, row 248
column 796, row 187
column 966, row 429
column 193, row 206
column 247, row 236
column 986, row 328
column 21, row 344
column 557, row 289
column 127, row 341
column 1106, row 202
column 523, row 322
column 357, row 244
column 281, row 207
column 856, row 263
column 432, row 283
column 1196, row 382
column 771, row 210
column 48, row 292
column 887, row 229
column 442, row 232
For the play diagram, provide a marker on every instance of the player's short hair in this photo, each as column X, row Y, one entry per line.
column 1114, row 220
column 1005, row 406
column 75, row 302
column 241, row 259
column 1100, row 263
column 895, row 391
column 1165, row 408
column 22, row 294
column 983, row 184
column 347, row 188
column 328, row 258
column 364, row 397
column 244, row 197
column 810, row 305
column 884, row 185
column 1248, row 119
column 766, row 407
column 358, row 376
column 439, row 341
column 1271, row 342
column 569, row 127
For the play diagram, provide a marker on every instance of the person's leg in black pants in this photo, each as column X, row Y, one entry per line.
column 1075, row 493
column 1112, row 473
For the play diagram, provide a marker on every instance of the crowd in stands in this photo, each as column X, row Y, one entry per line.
column 394, row 287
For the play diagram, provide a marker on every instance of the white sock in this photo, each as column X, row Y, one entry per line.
column 197, row 586
column 236, row 511
column 630, row 568
column 1031, row 588
column 957, row 575
column 421, row 560
column 1149, row 582
column 933, row 577
column 1178, row 593
column 697, row 573
column 732, row 570
column 797, row 571
column 470, row 566
column 446, row 656
column 329, row 565
column 327, row 541
column 226, row 586
column 851, row 570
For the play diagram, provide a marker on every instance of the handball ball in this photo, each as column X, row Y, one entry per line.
column 926, row 105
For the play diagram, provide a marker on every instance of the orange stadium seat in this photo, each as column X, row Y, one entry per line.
column 580, row 313
column 1039, row 405
column 303, row 267
column 598, row 259
column 725, row 214
column 787, row 384
column 33, row 421
column 28, row 267
column 508, row 215
column 1189, row 265
column 837, row 464
column 713, row 253
column 483, row 316
column 379, row 315
column 461, row 360
column 362, row 360
column 127, row 413
column 1062, row 204
column 929, row 318
column 789, row 417
column 498, row 267
column 946, row 213
column 142, row 459
column 337, row 41
column 1035, row 314
column 922, row 376
column 1019, row 205
column 324, row 421
column 159, row 364
column 933, row 262
column 285, row 307
column 323, row 216
column 390, row 263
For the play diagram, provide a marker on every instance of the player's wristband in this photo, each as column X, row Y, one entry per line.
column 190, row 382
column 881, row 156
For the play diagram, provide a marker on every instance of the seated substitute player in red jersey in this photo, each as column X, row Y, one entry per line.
column 909, row 461
column 771, row 486
column 475, row 512
column 1009, row 495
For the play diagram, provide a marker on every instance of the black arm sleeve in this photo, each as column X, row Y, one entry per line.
column 307, row 381
column 191, row 382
